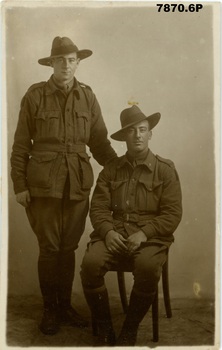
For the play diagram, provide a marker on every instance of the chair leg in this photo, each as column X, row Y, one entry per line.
column 166, row 292
column 122, row 290
column 155, row 317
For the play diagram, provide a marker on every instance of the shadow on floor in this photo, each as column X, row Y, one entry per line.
column 192, row 324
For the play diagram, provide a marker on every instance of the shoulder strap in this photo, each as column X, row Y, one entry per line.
column 166, row 161
column 85, row 86
column 37, row 85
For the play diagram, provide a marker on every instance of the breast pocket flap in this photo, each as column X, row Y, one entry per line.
column 48, row 114
column 83, row 114
column 151, row 186
column 44, row 157
column 116, row 184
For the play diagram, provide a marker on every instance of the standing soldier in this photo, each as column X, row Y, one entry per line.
column 52, row 174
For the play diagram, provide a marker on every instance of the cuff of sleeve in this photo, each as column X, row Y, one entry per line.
column 20, row 187
column 149, row 231
column 104, row 228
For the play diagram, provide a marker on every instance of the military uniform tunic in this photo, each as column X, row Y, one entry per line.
column 51, row 138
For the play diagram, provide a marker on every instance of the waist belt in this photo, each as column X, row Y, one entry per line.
column 132, row 217
column 61, row 147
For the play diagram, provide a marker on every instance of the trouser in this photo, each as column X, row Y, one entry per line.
column 58, row 225
column 146, row 264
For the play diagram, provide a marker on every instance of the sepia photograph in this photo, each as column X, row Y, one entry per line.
column 110, row 174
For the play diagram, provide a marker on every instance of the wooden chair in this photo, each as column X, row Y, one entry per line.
column 155, row 312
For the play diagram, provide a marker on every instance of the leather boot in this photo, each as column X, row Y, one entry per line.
column 138, row 307
column 66, row 270
column 49, row 324
column 99, row 306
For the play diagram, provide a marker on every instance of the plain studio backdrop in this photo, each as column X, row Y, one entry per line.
column 162, row 61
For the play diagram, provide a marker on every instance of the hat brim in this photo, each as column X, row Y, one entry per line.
column 152, row 119
column 82, row 54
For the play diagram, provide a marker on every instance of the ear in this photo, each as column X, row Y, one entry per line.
column 51, row 63
column 150, row 135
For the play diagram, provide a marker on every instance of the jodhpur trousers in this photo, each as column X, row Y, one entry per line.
column 146, row 264
column 58, row 225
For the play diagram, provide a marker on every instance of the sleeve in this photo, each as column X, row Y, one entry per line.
column 170, row 208
column 100, row 211
column 22, row 144
column 99, row 144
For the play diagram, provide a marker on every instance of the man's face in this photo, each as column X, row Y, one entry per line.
column 137, row 138
column 65, row 67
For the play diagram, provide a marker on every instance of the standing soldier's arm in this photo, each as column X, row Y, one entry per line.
column 100, row 211
column 99, row 144
column 21, row 150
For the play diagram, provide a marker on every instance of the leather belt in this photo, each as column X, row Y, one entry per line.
column 60, row 147
column 132, row 217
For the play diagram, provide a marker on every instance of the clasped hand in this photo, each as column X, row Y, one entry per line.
column 116, row 243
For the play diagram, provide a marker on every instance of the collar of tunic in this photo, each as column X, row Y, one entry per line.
column 149, row 161
column 51, row 87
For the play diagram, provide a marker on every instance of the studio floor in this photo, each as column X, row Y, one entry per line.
column 192, row 324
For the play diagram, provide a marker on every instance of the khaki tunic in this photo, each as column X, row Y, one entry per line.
column 146, row 197
column 51, row 138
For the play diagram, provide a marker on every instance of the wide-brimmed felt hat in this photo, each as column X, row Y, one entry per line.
column 131, row 116
column 64, row 46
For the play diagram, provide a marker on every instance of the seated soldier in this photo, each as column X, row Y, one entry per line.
column 135, row 209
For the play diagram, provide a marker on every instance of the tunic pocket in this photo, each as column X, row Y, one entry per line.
column 118, row 191
column 82, row 126
column 148, row 195
column 86, row 172
column 47, row 123
column 40, row 169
